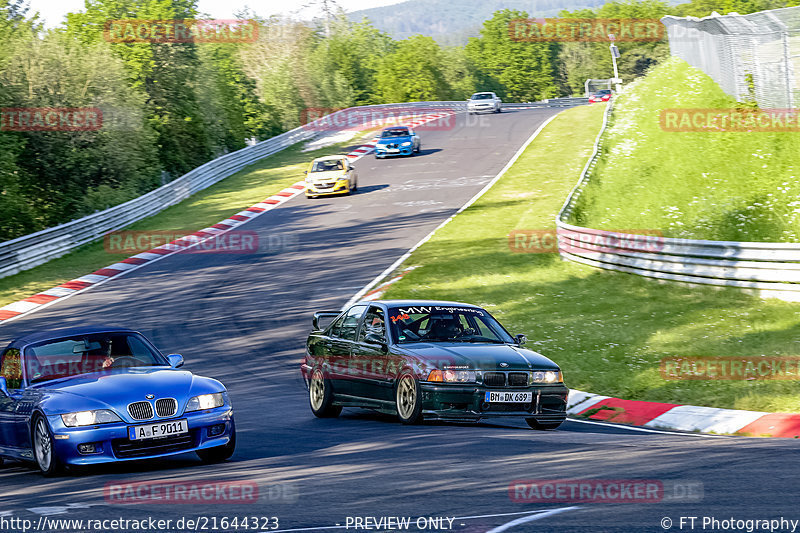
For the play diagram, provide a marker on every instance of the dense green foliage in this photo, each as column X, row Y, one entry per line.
column 737, row 186
column 607, row 330
column 169, row 107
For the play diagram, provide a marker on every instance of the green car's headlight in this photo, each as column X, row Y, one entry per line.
column 89, row 418
column 452, row 376
column 206, row 401
column 546, row 376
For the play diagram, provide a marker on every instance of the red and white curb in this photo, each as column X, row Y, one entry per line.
column 654, row 415
column 98, row 277
column 588, row 406
column 116, row 270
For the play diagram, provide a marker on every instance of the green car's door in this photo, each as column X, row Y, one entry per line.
column 370, row 355
column 338, row 347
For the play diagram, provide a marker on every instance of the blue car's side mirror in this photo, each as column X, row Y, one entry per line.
column 3, row 386
column 175, row 360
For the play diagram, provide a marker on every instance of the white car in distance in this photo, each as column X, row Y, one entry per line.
column 485, row 101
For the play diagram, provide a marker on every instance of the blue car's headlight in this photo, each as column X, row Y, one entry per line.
column 206, row 401
column 407, row 143
column 89, row 418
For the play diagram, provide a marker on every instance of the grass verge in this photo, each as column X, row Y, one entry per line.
column 738, row 186
column 239, row 191
column 607, row 330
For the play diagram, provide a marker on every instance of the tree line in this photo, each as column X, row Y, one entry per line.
column 170, row 107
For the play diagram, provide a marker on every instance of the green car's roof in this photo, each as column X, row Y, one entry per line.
column 417, row 303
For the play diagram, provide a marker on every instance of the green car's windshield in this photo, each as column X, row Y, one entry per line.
column 433, row 323
column 61, row 358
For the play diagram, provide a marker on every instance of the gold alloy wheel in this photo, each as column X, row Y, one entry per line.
column 406, row 397
column 316, row 390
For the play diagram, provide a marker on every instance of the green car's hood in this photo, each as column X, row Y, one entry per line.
column 478, row 356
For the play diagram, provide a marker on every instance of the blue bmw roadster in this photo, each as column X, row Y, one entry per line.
column 92, row 395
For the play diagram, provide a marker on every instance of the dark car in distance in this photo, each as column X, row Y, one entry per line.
column 429, row 360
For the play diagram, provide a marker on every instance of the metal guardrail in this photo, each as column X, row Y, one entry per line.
column 552, row 102
column 772, row 269
column 31, row 250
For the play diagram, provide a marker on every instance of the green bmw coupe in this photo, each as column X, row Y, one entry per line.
column 428, row 359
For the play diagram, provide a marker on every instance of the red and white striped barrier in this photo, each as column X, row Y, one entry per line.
column 98, row 277
column 682, row 417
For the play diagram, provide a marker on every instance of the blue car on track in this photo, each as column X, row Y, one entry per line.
column 397, row 140
column 90, row 395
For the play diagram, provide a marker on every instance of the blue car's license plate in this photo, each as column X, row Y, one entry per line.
column 159, row 429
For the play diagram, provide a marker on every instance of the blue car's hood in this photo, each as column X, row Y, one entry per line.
column 116, row 389
column 395, row 140
column 479, row 356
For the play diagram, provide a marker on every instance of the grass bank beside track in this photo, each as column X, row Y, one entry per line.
column 607, row 330
column 730, row 186
column 205, row 208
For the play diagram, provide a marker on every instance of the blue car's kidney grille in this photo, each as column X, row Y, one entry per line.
column 141, row 410
column 166, row 407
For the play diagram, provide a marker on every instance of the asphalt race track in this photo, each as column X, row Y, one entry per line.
column 243, row 319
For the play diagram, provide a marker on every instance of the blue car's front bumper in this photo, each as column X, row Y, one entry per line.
column 112, row 443
column 382, row 150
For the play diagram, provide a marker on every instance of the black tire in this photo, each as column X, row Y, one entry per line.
column 408, row 398
column 543, row 426
column 219, row 454
column 43, row 444
column 419, row 148
column 320, row 396
column 355, row 186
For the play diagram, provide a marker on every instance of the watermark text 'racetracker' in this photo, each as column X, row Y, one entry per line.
column 180, row 31
column 50, row 119
column 542, row 241
column 730, row 368
column 730, row 120
column 542, row 30
column 333, row 119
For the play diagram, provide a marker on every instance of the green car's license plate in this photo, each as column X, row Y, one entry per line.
column 508, row 397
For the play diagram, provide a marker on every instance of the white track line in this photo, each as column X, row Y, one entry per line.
column 360, row 294
column 646, row 430
column 538, row 513
column 531, row 518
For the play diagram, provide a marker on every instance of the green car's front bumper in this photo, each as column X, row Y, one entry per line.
column 467, row 402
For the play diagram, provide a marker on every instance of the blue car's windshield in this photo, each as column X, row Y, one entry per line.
column 61, row 358
column 394, row 132
column 432, row 323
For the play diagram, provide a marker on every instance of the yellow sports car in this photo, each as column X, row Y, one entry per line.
column 331, row 174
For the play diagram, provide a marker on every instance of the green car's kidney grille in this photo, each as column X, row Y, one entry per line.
column 494, row 379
